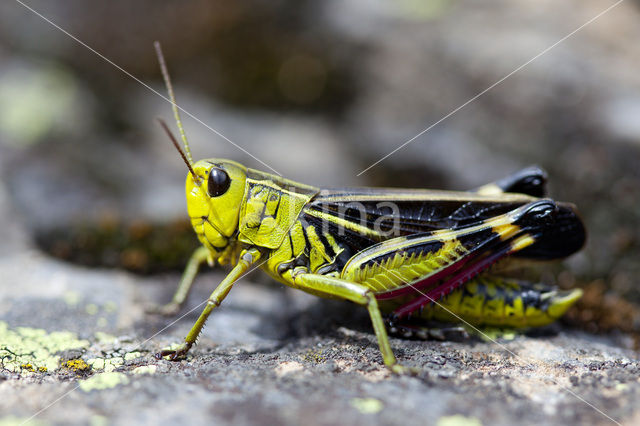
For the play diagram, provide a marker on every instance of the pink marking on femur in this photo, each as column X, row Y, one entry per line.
column 449, row 285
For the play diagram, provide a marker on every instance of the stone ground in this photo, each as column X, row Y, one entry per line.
column 78, row 143
column 77, row 348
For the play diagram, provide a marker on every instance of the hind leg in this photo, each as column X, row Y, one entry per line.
column 501, row 302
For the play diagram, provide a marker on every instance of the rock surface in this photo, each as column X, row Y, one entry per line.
column 275, row 356
column 75, row 145
column 77, row 348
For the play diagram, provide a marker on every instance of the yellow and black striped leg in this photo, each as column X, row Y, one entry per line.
column 361, row 295
column 199, row 256
column 247, row 258
column 503, row 302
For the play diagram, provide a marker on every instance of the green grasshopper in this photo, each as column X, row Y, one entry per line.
column 393, row 251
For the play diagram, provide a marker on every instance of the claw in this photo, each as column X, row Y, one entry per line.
column 174, row 354
column 404, row 370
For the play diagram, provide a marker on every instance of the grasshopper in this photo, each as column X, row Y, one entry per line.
column 400, row 252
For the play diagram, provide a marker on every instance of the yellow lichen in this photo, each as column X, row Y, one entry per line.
column 110, row 364
column 458, row 420
column 98, row 420
column 314, row 356
column 97, row 363
column 77, row 365
column 91, row 309
column 132, row 355
column 106, row 364
column 145, row 369
column 102, row 381
column 110, row 307
column 24, row 346
column 18, row 421
column 367, row 405
column 113, row 363
column 71, row 298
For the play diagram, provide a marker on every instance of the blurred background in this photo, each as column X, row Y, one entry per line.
column 319, row 91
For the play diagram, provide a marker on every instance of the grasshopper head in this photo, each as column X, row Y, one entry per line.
column 215, row 187
column 214, row 195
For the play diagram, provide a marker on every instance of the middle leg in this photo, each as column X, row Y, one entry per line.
column 361, row 295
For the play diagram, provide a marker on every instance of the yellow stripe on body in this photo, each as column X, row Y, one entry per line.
column 346, row 224
column 297, row 238
column 317, row 253
column 298, row 246
column 393, row 194
column 332, row 242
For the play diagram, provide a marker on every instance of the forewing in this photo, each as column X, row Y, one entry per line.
column 392, row 267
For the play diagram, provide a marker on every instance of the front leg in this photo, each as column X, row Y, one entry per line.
column 247, row 258
column 199, row 256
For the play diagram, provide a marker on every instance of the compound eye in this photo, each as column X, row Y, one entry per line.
column 218, row 182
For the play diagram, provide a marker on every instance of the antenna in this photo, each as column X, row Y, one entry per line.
column 174, row 106
column 196, row 178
